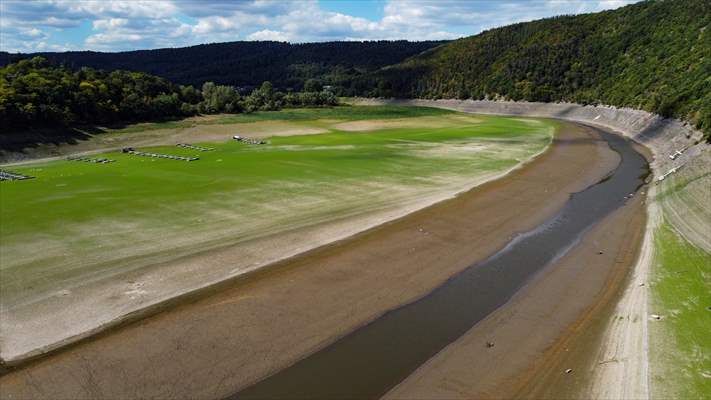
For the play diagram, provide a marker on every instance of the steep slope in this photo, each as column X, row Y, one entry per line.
column 653, row 55
column 247, row 63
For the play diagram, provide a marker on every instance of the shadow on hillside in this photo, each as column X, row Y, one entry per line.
column 19, row 141
column 654, row 129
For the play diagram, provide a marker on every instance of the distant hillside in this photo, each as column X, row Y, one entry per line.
column 35, row 94
column 247, row 64
column 653, row 55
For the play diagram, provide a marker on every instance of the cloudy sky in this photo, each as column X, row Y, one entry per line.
column 102, row 25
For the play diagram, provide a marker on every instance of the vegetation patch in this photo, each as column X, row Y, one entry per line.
column 94, row 221
column 681, row 303
column 247, row 63
column 35, row 94
column 652, row 55
column 681, row 291
column 686, row 200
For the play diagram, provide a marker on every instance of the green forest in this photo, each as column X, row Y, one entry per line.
column 36, row 94
column 247, row 64
column 654, row 55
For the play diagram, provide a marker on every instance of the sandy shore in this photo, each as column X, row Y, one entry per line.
column 218, row 344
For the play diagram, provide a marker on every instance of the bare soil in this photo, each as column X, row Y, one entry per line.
column 551, row 326
column 421, row 122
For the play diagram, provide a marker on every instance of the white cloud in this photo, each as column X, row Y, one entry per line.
column 127, row 34
column 197, row 8
column 266, row 34
column 214, row 24
column 131, row 24
column 34, row 33
column 103, row 38
column 608, row 4
column 111, row 23
column 120, row 8
column 59, row 22
column 417, row 17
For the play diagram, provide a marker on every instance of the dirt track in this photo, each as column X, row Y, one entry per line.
column 214, row 346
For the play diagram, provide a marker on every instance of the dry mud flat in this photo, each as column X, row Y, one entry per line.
column 216, row 345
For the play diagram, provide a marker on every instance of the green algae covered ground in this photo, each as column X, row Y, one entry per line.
column 680, row 342
column 78, row 221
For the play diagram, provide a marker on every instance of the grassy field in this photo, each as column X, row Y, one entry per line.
column 96, row 213
column 680, row 345
column 77, row 223
column 680, row 341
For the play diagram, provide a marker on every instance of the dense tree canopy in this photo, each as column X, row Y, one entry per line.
column 247, row 64
column 35, row 93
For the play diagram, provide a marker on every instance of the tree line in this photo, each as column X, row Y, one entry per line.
column 652, row 55
column 247, row 64
column 35, row 93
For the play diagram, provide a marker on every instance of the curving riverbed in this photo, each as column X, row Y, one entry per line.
column 373, row 359
column 221, row 342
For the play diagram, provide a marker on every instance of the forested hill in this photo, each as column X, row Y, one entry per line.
column 653, row 55
column 36, row 94
column 247, row 64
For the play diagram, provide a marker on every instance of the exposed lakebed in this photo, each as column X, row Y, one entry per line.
column 371, row 360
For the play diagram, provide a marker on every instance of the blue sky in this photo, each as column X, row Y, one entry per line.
column 102, row 25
